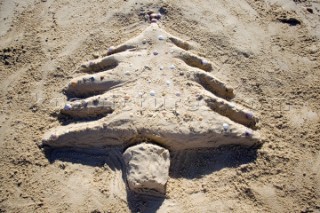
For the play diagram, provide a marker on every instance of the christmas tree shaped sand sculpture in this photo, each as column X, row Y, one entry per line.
column 151, row 95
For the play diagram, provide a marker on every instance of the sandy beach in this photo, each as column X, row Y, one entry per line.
column 267, row 51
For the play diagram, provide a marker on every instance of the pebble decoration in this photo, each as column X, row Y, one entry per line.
column 111, row 49
column 67, row 107
column 161, row 37
column 249, row 115
column 152, row 93
column 172, row 67
column 225, row 126
column 204, row 62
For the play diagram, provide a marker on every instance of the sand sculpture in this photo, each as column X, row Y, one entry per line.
column 152, row 94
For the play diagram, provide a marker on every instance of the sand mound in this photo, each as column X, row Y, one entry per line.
column 147, row 168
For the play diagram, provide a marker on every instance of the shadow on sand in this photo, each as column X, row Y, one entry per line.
column 187, row 164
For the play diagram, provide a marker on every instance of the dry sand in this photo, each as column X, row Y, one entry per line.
column 269, row 51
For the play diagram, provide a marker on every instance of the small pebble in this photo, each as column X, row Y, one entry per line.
column 172, row 67
column 152, row 93
column 140, row 94
column 225, row 126
column 67, row 107
column 161, row 67
column 168, row 83
column 178, row 94
column 111, row 49
column 127, row 73
column 155, row 53
column 154, row 20
column 161, row 37
column 204, row 62
column 144, row 41
column 249, row 115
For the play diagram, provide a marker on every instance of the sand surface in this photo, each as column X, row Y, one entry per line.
column 269, row 51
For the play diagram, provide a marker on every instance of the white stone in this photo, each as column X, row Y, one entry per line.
column 152, row 93
column 161, row 37
column 67, row 107
column 225, row 126
column 147, row 168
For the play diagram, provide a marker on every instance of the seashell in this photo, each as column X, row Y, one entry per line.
column 204, row 62
column 111, row 49
column 248, row 133
column 161, row 37
column 225, row 126
column 152, row 93
column 249, row 115
column 67, row 107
